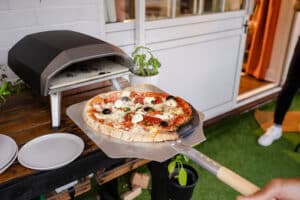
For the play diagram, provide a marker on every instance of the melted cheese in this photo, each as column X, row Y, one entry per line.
column 137, row 118
column 178, row 111
column 148, row 100
column 119, row 104
column 164, row 116
column 125, row 93
column 97, row 107
column 116, row 115
column 171, row 103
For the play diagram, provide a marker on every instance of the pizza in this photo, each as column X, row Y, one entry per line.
column 137, row 116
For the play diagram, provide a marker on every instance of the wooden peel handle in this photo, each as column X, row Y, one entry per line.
column 236, row 181
column 224, row 174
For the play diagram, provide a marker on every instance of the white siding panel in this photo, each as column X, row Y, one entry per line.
column 3, row 56
column 190, row 30
column 203, row 73
column 128, row 49
column 23, row 4
column 89, row 13
column 121, row 38
column 49, row 16
column 4, row 5
column 17, row 19
column 66, row 3
column 91, row 28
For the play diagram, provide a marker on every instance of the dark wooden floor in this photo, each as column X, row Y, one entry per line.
column 248, row 83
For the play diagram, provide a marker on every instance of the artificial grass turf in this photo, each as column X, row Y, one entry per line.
column 233, row 143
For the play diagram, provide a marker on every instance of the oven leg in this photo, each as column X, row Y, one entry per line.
column 55, row 101
column 116, row 84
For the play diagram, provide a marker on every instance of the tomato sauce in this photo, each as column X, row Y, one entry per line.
column 150, row 120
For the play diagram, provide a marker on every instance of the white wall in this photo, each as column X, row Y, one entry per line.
column 21, row 17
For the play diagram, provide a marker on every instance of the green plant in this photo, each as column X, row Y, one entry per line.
column 178, row 162
column 146, row 64
column 8, row 88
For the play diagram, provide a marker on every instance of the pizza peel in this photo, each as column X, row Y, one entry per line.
column 190, row 135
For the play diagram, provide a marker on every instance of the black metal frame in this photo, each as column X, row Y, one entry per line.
column 32, row 186
column 42, row 182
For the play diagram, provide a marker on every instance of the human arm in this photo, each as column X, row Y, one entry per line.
column 278, row 189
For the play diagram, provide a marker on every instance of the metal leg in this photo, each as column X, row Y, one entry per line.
column 159, row 173
column 109, row 191
column 116, row 84
column 55, row 100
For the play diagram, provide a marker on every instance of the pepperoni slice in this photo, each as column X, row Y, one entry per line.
column 148, row 120
column 133, row 94
column 139, row 99
column 112, row 97
column 128, row 116
column 158, row 100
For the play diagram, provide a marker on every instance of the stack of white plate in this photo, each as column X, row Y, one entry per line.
column 8, row 152
column 46, row 152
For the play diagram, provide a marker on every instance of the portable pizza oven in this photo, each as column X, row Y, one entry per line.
column 54, row 61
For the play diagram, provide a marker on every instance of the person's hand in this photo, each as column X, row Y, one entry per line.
column 279, row 189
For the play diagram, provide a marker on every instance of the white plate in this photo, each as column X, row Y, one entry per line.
column 10, row 163
column 8, row 149
column 50, row 151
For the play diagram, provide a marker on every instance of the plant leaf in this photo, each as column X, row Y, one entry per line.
column 186, row 159
column 182, row 177
column 3, row 87
column 179, row 157
column 171, row 166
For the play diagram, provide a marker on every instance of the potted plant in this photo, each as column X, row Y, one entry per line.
column 146, row 66
column 182, row 178
column 8, row 88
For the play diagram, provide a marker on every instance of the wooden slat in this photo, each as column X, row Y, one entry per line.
column 15, row 171
column 104, row 177
column 80, row 188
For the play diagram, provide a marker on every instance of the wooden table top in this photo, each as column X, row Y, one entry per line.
column 28, row 116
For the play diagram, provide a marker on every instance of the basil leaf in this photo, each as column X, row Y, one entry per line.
column 171, row 166
column 182, row 177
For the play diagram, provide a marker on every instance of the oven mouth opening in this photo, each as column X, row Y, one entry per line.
column 87, row 70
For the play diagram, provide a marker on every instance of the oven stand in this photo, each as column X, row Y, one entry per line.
column 55, row 102
column 116, row 84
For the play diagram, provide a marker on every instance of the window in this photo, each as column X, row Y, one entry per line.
column 124, row 10
column 162, row 9
column 158, row 9
column 119, row 10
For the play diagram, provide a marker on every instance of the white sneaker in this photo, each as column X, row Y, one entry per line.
column 273, row 133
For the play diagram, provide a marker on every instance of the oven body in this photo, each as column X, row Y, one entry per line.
column 54, row 61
